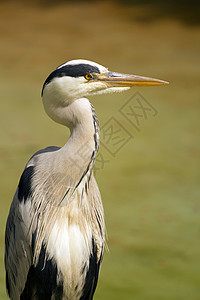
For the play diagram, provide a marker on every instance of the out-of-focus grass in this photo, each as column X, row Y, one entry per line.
column 150, row 190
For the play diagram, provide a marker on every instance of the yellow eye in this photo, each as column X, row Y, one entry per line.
column 88, row 76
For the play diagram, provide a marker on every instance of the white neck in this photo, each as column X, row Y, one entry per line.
column 84, row 140
column 79, row 153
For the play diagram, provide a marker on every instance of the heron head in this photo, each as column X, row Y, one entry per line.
column 81, row 78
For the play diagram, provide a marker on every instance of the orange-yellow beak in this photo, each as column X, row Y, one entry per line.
column 113, row 79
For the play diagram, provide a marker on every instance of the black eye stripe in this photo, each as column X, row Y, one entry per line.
column 71, row 70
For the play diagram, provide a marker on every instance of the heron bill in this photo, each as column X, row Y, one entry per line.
column 114, row 79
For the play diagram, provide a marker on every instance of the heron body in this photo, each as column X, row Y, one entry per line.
column 55, row 232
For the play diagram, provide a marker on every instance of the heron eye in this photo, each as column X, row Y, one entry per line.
column 88, row 76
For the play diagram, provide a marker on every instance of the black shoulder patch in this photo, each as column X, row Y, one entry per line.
column 72, row 71
column 42, row 280
column 92, row 275
column 7, row 284
column 25, row 184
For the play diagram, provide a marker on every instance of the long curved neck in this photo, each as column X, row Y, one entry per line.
column 81, row 149
column 62, row 177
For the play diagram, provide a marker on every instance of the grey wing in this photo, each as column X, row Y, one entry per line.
column 18, row 252
column 19, row 238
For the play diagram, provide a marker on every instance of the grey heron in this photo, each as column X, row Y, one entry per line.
column 55, row 231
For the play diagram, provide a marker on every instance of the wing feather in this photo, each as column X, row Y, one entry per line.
column 21, row 231
column 18, row 253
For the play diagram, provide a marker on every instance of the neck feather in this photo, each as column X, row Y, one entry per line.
column 81, row 149
column 62, row 177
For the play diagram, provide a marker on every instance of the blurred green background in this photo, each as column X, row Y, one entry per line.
column 150, row 189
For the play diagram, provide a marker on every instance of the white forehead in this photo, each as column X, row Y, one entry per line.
column 84, row 61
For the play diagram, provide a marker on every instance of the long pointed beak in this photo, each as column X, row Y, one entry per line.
column 113, row 79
